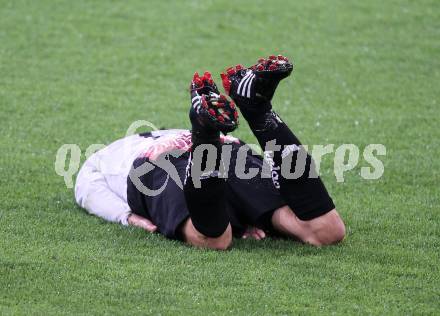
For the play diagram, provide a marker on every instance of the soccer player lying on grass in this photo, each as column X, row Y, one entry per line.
column 206, row 203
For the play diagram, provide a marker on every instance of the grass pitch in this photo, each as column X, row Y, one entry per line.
column 81, row 71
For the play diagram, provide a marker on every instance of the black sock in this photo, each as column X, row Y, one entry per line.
column 267, row 127
column 205, row 194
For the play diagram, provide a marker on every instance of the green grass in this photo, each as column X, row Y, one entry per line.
column 81, row 71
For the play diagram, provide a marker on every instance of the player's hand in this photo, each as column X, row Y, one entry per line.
column 139, row 221
column 255, row 233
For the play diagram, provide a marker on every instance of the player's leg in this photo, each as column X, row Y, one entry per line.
column 167, row 207
column 256, row 202
column 94, row 195
column 204, row 189
column 326, row 229
column 194, row 238
column 253, row 89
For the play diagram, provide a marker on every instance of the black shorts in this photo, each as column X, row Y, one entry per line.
column 249, row 202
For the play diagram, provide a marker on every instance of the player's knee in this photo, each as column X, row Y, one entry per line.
column 223, row 242
column 340, row 231
column 195, row 238
column 331, row 231
column 336, row 233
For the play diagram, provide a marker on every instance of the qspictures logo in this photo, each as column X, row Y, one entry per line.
column 175, row 143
